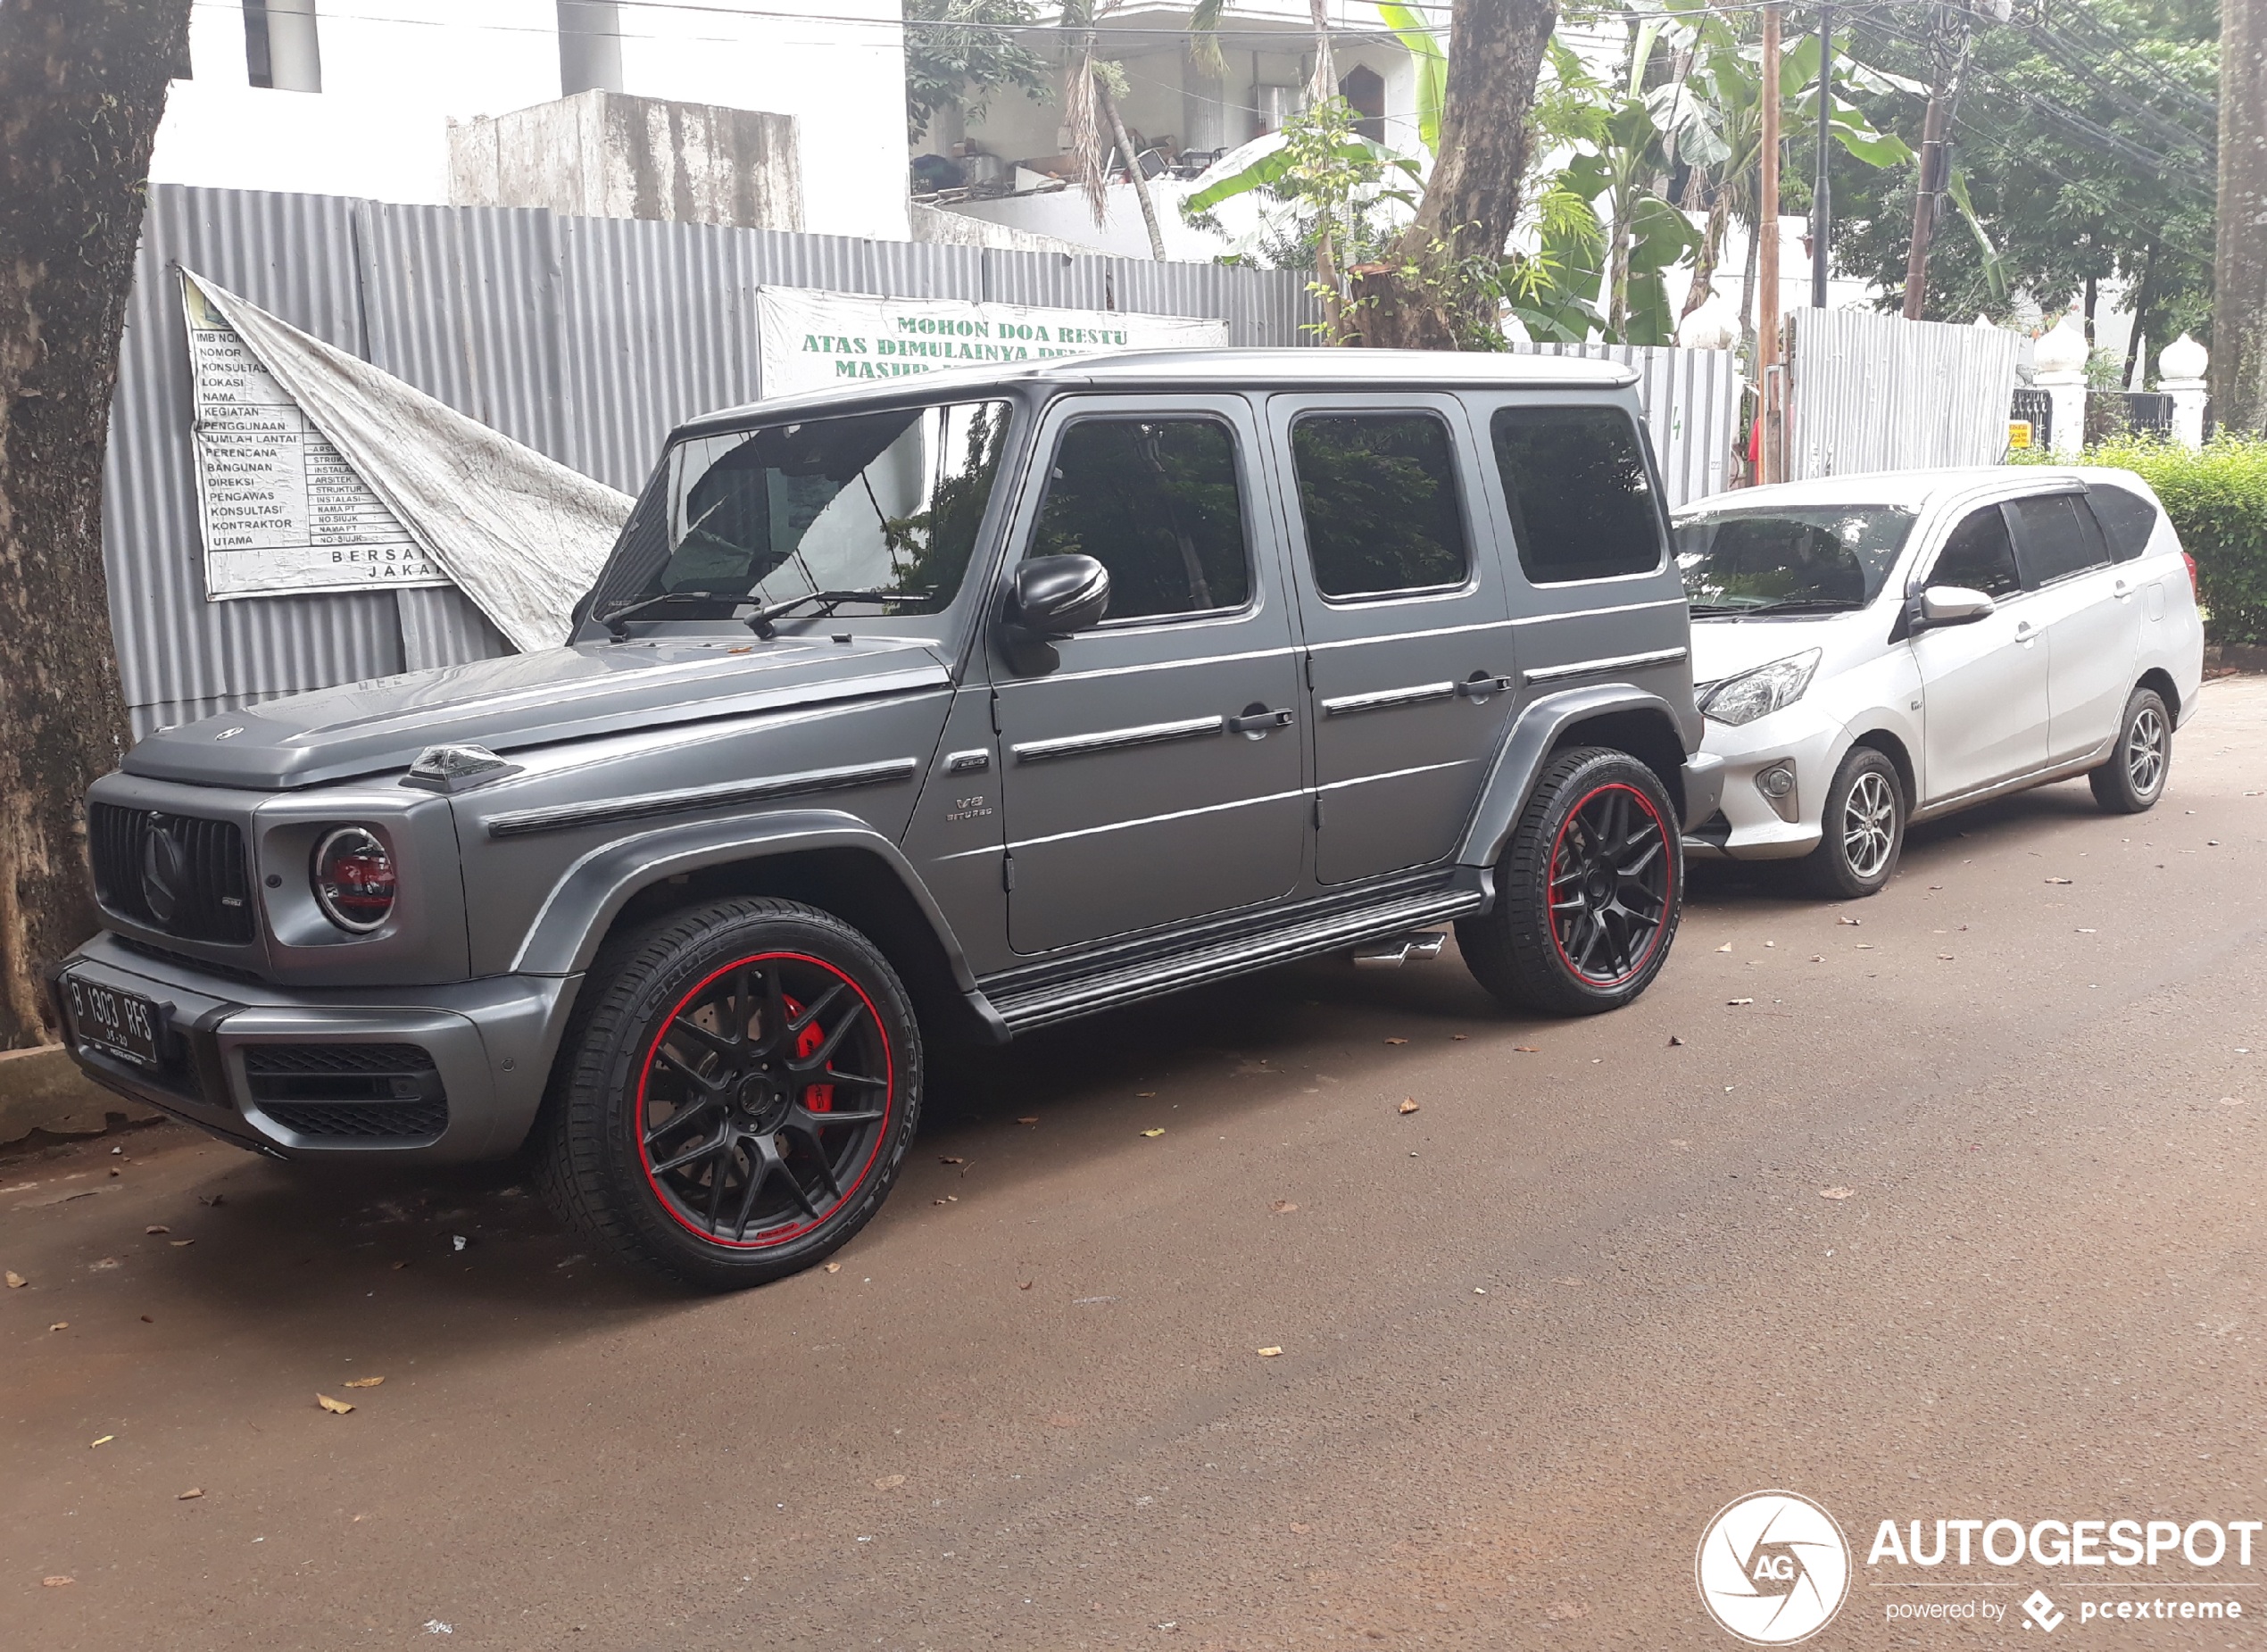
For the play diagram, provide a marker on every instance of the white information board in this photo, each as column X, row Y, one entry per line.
column 283, row 513
column 808, row 338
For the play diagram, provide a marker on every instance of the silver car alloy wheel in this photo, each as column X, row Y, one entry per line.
column 2144, row 743
column 1869, row 825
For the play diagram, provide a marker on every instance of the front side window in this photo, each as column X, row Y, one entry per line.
column 1378, row 494
column 883, row 505
column 1156, row 501
column 1810, row 558
column 2056, row 536
column 1979, row 556
column 1580, row 494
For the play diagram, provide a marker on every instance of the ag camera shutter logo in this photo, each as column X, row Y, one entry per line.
column 1773, row 1568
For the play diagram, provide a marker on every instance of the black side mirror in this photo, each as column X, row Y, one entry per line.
column 1056, row 595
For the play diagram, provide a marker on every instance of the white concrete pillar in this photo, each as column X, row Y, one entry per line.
column 2180, row 375
column 2058, row 367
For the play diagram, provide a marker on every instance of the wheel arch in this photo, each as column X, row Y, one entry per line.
column 2161, row 679
column 1618, row 714
column 1886, row 741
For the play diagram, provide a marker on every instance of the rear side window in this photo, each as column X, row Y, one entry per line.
column 1581, row 498
column 1979, row 556
column 1378, row 494
column 1156, row 501
column 2127, row 518
column 2056, row 536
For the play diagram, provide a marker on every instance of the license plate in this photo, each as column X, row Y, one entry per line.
column 119, row 1024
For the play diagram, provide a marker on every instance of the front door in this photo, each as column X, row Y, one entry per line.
column 1983, row 685
column 1408, row 635
column 1152, row 768
column 2090, row 614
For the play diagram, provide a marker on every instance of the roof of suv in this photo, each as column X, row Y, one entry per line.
column 1212, row 370
column 1912, row 489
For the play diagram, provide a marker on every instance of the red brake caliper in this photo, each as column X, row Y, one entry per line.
column 818, row 1098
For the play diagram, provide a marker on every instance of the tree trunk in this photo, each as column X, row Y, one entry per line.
column 1326, row 80
column 1928, row 179
column 1133, row 170
column 1704, row 263
column 2145, row 298
column 82, row 84
column 2239, row 252
column 1412, row 299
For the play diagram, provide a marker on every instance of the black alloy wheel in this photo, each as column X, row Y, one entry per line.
column 1588, row 893
column 738, row 1096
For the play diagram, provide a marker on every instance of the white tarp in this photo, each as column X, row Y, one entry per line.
column 808, row 339
column 522, row 535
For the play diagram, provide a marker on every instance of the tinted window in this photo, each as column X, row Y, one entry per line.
column 1580, row 497
column 1979, row 556
column 886, row 504
column 1789, row 557
column 2056, row 537
column 1156, row 502
column 1378, row 492
column 2127, row 518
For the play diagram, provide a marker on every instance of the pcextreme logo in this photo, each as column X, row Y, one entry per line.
column 1773, row 1568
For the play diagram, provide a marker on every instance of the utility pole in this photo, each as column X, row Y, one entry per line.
column 2239, row 252
column 1821, row 196
column 1935, row 167
column 1767, row 379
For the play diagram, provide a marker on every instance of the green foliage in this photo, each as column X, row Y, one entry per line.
column 1423, row 47
column 962, row 66
column 2217, row 500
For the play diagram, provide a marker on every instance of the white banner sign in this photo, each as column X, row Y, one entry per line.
column 283, row 513
column 809, row 339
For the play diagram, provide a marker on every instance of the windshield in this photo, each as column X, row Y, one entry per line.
column 883, row 505
column 1782, row 557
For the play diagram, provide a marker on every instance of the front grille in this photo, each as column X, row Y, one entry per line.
column 369, row 1091
column 202, row 889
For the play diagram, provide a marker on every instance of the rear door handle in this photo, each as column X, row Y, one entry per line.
column 2123, row 591
column 1259, row 722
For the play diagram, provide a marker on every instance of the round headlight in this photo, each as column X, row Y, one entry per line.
column 354, row 879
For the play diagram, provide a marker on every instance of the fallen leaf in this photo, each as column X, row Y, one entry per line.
column 398, row 1266
column 1026, row 1284
column 105, row 1441
column 1458, row 1037
column 1031, row 1120
column 833, row 1267
column 1866, row 946
column 1300, row 1527
column 1282, row 1206
column 179, row 1244
column 156, row 1227
column 1565, row 1611
column 1409, row 1104
column 1270, row 1353
column 1852, row 922
column 16, row 1281
column 2231, row 1100
column 336, row 1407
column 1397, row 1041
column 364, row 1382
column 889, row 1483
column 60, row 1324
column 1145, row 1092
column 948, row 1160
column 147, row 1320
column 1526, row 1049
column 1739, row 1000
column 192, row 1493
column 1063, row 1419
column 56, row 1582
column 215, row 1202
column 2058, row 880
column 1153, row 1134
column 1834, row 1192
column 1675, row 1043
column 1726, row 946
column 1935, row 886
column 2090, row 932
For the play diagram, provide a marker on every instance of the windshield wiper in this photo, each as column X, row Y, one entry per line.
column 613, row 620
column 759, row 621
column 1777, row 605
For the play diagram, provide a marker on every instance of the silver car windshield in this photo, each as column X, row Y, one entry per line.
column 1814, row 559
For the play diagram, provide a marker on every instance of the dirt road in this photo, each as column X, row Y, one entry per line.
column 1950, row 1211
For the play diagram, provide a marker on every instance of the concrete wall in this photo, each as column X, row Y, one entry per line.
column 603, row 155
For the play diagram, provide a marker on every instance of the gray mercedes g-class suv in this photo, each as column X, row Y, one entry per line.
column 942, row 709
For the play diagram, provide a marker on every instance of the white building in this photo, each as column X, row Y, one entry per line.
column 355, row 97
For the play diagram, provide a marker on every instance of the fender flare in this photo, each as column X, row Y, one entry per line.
column 1527, row 746
column 584, row 903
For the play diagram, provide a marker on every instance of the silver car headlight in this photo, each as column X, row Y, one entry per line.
column 1759, row 693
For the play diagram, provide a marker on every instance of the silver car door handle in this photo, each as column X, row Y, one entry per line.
column 1480, row 687
column 2123, row 591
column 1259, row 722
column 2022, row 629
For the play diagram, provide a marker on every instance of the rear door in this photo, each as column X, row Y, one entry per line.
column 2087, row 610
column 1408, row 637
column 1152, row 770
column 1983, row 685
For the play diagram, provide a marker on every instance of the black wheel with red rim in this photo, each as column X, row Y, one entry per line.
column 1588, row 891
column 740, row 1093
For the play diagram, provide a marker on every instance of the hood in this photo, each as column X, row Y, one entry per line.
column 1723, row 648
column 525, row 699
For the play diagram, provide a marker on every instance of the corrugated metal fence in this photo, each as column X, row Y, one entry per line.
column 585, row 339
column 1691, row 400
column 1871, row 391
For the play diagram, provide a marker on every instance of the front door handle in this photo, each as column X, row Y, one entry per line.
column 1480, row 686
column 1259, row 721
column 2122, row 591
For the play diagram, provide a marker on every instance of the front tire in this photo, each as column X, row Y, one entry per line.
column 2133, row 779
column 735, row 1095
column 1587, row 895
column 1862, row 829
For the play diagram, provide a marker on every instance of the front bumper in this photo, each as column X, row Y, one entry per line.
column 486, row 1048
column 1746, row 824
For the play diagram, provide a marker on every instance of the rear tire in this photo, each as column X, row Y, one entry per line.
column 1862, row 829
column 1588, row 893
column 735, row 1093
column 2141, row 761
